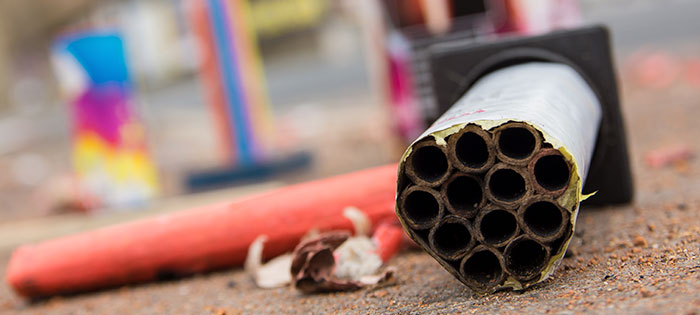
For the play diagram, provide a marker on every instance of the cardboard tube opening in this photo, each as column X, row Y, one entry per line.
column 452, row 238
column 429, row 163
column 525, row 258
column 552, row 172
column 420, row 207
column 497, row 227
column 483, row 267
column 517, row 142
column 544, row 219
column 471, row 150
column 507, row 185
column 464, row 194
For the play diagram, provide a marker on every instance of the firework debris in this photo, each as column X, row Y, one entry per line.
column 199, row 240
column 331, row 261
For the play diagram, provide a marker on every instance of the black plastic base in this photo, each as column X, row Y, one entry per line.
column 456, row 65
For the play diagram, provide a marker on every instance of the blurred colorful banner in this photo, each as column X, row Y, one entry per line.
column 109, row 147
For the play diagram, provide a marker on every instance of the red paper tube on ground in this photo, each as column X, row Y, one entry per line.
column 199, row 240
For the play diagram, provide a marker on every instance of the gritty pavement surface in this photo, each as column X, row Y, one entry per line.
column 642, row 258
column 637, row 258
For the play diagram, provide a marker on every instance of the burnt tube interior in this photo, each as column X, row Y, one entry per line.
column 507, row 185
column 516, row 142
column 552, row 172
column 464, row 194
column 429, row 163
column 451, row 237
column 498, row 226
column 525, row 257
column 482, row 267
column 543, row 218
column 471, row 150
column 421, row 207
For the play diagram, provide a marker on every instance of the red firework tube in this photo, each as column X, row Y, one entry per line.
column 199, row 240
column 389, row 237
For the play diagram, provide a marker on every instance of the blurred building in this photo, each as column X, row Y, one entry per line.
column 26, row 30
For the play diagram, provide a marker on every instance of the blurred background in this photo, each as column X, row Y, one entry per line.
column 118, row 105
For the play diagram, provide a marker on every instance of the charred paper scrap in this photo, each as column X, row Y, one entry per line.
column 331, row 261
column 492, row 189
column 314, row 267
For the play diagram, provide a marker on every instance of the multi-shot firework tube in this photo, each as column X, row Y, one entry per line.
column 492, row 189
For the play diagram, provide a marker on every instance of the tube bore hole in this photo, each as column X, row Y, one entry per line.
column 498, row 226
column 543, row 218
column 452, row 237
column 483, row 267
column 526, row 257
column 421, row 207
column 552, row 172
column 507, row 185
column 471, row 150
column 516, row 142
column 429, row 163
column 464, row 194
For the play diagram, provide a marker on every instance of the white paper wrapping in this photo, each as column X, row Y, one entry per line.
column 551, row 97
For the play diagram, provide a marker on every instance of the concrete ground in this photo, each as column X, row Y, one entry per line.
column 638, row 258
